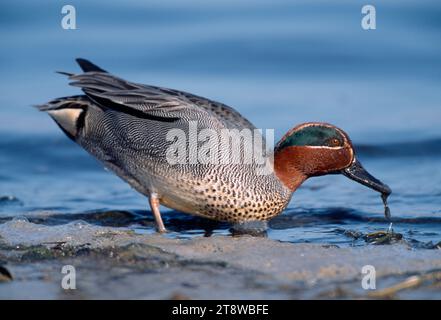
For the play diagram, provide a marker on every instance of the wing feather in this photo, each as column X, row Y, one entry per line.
column 110, row 91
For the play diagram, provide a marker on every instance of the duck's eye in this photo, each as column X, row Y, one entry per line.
column 334, row 142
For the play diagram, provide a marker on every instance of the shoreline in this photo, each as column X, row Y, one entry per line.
column 118, row 263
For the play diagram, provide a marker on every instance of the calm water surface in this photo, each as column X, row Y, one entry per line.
column 278, row 64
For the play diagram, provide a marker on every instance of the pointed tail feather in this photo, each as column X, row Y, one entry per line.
column 87, row 66
column 77, row 101
column 69, row 74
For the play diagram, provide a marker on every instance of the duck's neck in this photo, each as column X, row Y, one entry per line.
column 287, row 169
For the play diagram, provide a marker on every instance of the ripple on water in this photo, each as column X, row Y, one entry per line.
column 342, row 227
column 7, row 200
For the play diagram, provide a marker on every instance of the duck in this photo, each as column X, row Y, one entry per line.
column 127, row 127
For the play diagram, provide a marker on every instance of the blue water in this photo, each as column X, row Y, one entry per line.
column 279, row 63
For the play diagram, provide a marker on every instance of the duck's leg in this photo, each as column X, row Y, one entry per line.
column 154, row 205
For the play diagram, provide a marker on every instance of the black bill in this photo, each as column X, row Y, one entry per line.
column 357, row 173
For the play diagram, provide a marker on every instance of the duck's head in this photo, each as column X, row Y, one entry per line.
column 315, row 149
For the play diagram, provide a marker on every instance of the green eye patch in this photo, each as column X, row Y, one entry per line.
column 313, row 136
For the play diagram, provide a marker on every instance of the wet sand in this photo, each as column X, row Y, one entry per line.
column 118, row 263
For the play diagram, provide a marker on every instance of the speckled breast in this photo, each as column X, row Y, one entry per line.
column 226, row 193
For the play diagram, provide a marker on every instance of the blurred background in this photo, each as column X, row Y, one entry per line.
column 279, row 63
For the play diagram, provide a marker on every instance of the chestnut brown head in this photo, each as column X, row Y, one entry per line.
column 315, row 149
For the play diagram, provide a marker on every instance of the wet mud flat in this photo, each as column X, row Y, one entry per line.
column 116, row 262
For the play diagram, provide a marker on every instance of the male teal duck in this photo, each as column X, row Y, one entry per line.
column 125, row 125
